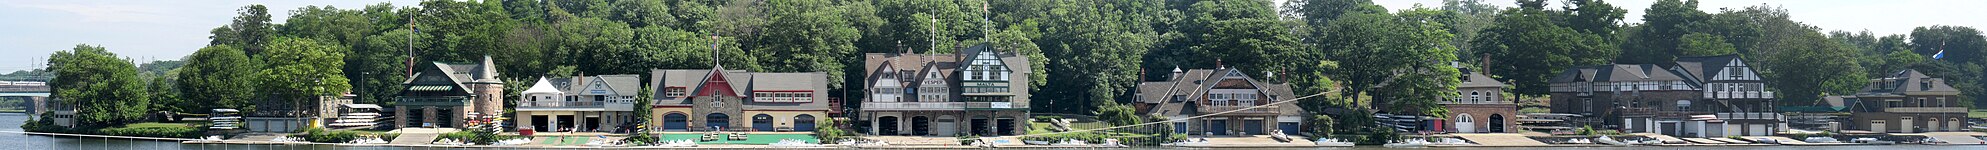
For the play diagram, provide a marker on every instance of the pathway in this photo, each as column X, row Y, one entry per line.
column 419, row 135
column 1957, row 138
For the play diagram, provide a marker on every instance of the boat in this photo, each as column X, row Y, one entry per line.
column 1871, row 141
column 793, row 143
column 1410, row 143
column 1579, row 141
column 1331, row 142
column 1186, row 143
column 1609, row 141
column 1071, row 142
column 1821, row 140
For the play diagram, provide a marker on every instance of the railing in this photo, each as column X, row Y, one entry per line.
column 1739, row 94
column 1926, row 109
column 913, row 105
column 1752, row 115
column 995, row 105
column 561, row 104
column 1210, row 109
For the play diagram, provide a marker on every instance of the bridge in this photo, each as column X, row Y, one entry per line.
column 26, row 96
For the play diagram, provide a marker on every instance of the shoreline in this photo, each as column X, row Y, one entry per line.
column 727, row 146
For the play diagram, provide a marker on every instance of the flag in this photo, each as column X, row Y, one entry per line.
column 1941, row 54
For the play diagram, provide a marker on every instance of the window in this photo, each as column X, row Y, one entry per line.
column 673, row 92
column 1683, row 104
column 783, row 97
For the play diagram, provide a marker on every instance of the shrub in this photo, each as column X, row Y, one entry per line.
column 1046, row 118
column 477, row 137
column 165, row 132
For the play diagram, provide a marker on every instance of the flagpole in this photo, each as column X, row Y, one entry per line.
column 410, row 44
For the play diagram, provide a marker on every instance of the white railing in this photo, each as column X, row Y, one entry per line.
column 1926, row 109
column 560, row 104
column 1269, row 109
column 1474, row 102
column 1738, row 94
column 913, row 105
column 1751, row 115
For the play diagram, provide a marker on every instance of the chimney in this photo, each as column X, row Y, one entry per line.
column 1176, row 73
column 1217, row 64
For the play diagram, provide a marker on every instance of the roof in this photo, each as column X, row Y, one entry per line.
column 1908, row 81
column 543, row 86
column 623, row 84
column 1193, row 84
column 1617, row 73
column 367, row 106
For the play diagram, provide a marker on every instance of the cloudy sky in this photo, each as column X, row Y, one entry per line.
column 167, row 30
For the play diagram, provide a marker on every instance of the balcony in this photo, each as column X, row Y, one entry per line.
column 1217, row 109
column 433, row 101
column 1926, row 109
column 1739, row 94
column 1474, row 102
column 560, row 104
column 914, row 105
column 994, row 105
column 1752, row 116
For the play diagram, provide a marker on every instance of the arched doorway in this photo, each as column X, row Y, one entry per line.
column 886, row 125
column 1933, row 125
column 675, row 121
column 762, row 122
column 1496, row 123
column 1465, row 123
column 717, row 121
column 920, row 125
column 803, row 122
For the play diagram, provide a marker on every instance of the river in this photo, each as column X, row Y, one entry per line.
column 14, row 141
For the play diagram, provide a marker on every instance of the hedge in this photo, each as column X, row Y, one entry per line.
column 165, row 132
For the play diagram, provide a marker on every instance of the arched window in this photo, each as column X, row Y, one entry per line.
column 1474, row 97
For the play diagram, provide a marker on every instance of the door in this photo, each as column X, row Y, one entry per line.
column 1219, row 127
column 762, row 122
column 979, row 126
column 1952, row 124
column 920, row 125
column 803, row 123
column 1465, row 123
column 592, row 124
column 946, row 126
column 886, row 125
column 1496, row 123
column 1005, row 125
column 1932, row 125
column 539, row 122
column 1289, row 128
column 675, row 122
column 1877, row 126
column 717, row 121
column 1252, row 127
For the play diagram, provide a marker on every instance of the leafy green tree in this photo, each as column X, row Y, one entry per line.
column 1700, row 44
column 104, row 90
column 218, row 77
column 1093, row 52
column 382, row 64
column 1119, row 115
column 1526, row 49
column 1467, row 19
column 1251, row 44
column 1322, row 12
column 300, row 71
column 809, row 39
column 665, row 48
column 1593, row 17
column 640, row 13
column 1391, row 58
column 603, row 44
column 1663, row 24
column 250, row 30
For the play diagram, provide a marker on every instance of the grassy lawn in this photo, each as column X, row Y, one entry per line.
column 754, row 139
column 1977, row 113
column 1534, row 110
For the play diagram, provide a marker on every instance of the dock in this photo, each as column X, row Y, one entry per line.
column 1502, row 140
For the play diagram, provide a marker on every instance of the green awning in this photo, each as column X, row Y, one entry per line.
column 430, row 88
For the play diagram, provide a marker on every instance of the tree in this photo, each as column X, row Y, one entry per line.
column 1664, row 23
column 218, row 77
column 1400, row 60
column 1700, row 44
column 1119, row 115
column 810, row 39
column 1251, row 44
column 104, row 90
column 1594, row 17
column 1960, row 44
column 1322, row 12
column 299, row 72
column 250, row 30
column 1526, row 49
column 1467, row 19
column 1093, row 53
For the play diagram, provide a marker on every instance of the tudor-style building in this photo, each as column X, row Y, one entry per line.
column 1205, row 91
column 584, row 103
column 1906, row 102
column 977, row 91
column 1708, row 96
column 448, row 95
column 736, row 100
column 1481, row 107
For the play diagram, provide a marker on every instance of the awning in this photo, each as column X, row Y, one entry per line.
column 430, row 88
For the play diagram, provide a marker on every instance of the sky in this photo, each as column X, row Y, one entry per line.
column 145, row 30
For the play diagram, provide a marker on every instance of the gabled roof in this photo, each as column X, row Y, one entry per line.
column 1195, row 83
column 1477, row 79
column 622, row 84
column 1617, row 73
column 543, row 86
column 1908, row 81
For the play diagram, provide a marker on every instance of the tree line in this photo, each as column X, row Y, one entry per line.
column 1088, row 54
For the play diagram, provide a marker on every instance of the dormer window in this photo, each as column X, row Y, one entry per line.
column 1924, row 84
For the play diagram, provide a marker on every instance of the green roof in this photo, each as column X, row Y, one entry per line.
column 430, row 88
